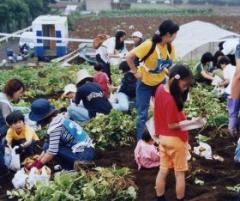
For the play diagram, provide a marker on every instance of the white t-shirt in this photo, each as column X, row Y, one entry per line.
column 107, row 48
column 102, row 51
column 228, row 74
column 110, row 44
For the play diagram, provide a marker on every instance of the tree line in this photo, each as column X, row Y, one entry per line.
column 17, row 14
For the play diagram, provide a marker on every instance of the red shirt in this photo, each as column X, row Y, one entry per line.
column 102, row 79
column 165, row 113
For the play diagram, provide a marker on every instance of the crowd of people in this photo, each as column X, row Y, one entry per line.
column 149, row 77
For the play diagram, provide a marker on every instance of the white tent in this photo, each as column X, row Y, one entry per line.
column 197, row 37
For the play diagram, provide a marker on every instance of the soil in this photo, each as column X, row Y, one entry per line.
column 147, row 25
column 215, row 174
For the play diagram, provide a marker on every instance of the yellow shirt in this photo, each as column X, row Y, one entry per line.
column 27, row 134
column 151, row 62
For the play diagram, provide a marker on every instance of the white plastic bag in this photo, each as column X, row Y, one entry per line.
column 203, row 150
column 7, row 157
column 15, row 160
column 37, row 175
column 19, row 179
column 29, row 179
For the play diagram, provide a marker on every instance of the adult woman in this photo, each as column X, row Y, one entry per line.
column 156, row 55
column 110, row 47
column 64, row 138
column 12, row 91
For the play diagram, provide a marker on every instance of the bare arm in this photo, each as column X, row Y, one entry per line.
column 224, row 83
column 46, row 158
column 206, row 75
column 130, row 60
column 174, row 126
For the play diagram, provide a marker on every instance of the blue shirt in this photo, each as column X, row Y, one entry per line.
column 93, row 99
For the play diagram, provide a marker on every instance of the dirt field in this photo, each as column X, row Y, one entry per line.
column 89, row 27
column 216, row 175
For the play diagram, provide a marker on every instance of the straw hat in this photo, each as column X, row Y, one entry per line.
column 69, row 88
column 82, row 74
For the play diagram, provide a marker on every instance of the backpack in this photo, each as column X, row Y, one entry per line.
column 152, row 49
column 99, row 39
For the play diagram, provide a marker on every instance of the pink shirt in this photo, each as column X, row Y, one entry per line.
column 102, row 79
column 146, row 155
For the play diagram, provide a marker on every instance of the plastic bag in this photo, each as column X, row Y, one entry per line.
column 203, row 150
column 29, row 179
column 19, row 179
column 7, row 157
column 15, row 160
column 36, row 175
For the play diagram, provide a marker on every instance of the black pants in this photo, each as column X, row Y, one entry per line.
column 106, row 67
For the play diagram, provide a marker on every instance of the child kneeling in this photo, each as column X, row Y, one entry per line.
column 146, row 154
column 20, row 134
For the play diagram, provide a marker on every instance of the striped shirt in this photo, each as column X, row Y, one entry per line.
column 58, row 135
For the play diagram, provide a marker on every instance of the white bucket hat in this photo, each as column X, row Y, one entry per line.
column 137, row 34
column 69, row 88
column 82, row 74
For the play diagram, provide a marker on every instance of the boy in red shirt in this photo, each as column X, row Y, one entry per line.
column 169, row 102
column 102, row 79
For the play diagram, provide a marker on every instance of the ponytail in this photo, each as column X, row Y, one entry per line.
column 167, row 26
column 157, row 38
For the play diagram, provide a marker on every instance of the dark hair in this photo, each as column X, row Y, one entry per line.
column 98, row 66
column 206, row 57
column 82, row 82
column 123, row 66
column 119, row 34
column 216, row 58
column 146, row 135
column 13, row 86
column 48, row 119
column 224, row 60
column 168, row 26
column 185, row 73
column 14, row 117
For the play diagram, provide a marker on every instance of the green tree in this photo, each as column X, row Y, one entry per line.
column 35, row 8
column 4, row 16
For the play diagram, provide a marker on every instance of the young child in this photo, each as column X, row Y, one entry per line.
column 102, row 79
column 125, row 97
column 228, row 73
column 146, row 154
column 202, row 69
column 168, row 113
column 19, row 134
